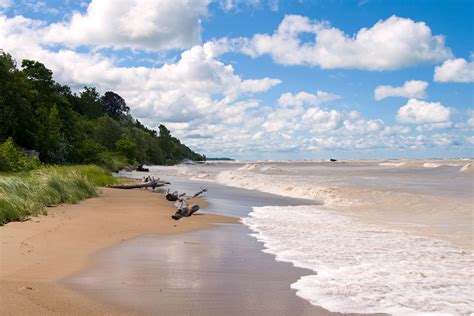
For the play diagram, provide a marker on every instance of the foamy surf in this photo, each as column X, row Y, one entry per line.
column 392, row 164
column 466, row 168
column 364, row 268
column 243, row 178
column 431, row 165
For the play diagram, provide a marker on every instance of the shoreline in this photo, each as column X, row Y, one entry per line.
column 217, row 271
column 36, row 255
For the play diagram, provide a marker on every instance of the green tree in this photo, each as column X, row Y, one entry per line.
column 128, row 149
column 114, row 105
column 41, row 80
column 107, row 132
column 57, row 147
column 166, row 143
column 89, row 103
column 16, row 117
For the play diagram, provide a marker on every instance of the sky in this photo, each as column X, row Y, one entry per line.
column 269, row 79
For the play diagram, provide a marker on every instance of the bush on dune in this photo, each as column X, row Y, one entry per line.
column 29, row 193
column 14, row 159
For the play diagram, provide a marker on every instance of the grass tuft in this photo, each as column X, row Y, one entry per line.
column 29, row 193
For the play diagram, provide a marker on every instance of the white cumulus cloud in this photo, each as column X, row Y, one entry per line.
column 301, row 98
column 410, row 89
column 389, row 44
column 468, row 125
column 429, row 115
column 138, row 24
column 455, row 70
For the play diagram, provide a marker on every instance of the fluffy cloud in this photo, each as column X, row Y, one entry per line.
column 319, row 120
column 301, row 111
column 410, row 89
column 429, row 115
column 235, row 5
column 230, row 5
column 364, row 126
column 139, row 24
column 389, row 44
column 455, row 70
column 442, row 139
column 4, row 4
column 283, row 119
column 469, row 123
column 301, row 98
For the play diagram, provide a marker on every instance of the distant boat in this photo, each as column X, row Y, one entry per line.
column 332, row 159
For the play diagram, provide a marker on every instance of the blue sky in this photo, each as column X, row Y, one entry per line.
column 269, row 79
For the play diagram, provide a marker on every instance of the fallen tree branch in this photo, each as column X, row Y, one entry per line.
column 151, row 184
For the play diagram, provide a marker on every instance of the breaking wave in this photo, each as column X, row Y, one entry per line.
column 290, row 188
column 364, row 268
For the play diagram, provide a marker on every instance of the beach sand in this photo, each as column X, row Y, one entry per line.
column 35, row 256
column 216, row 271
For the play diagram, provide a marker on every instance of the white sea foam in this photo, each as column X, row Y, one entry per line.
column 466, row 168
column 392, row 164
column 249, row 166
column 431, row 165
column 365, row 268
column 202, row 176
column 271, row 168
column 289, row 187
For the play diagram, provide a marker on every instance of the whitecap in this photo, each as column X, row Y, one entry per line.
column 365, row 268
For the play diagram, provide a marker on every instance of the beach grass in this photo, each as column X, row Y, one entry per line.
column 26, row 194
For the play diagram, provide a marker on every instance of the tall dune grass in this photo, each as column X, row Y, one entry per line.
column 28, row 194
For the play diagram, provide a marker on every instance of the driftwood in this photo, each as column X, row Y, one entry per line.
column 142, row 169
column 151, row 184
column 186, row 212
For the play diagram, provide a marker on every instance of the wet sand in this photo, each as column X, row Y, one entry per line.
column 217, row 271
column 35, row 256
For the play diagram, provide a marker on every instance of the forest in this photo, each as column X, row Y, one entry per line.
column 64, row 127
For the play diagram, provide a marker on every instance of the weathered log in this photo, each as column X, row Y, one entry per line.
column 185, row 212
column 152, row 184
column 142, row 169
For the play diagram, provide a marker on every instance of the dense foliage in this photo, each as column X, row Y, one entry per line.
column 68, row 128
column 28, row 193
column 13, row 159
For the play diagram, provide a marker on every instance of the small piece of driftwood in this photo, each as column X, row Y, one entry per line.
column 151, row 184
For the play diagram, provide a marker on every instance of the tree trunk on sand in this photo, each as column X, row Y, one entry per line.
column 152, row 184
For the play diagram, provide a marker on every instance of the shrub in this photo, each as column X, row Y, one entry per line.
column 14, row 159
column 111, row 161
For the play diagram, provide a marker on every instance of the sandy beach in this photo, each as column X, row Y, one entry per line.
column 38, row 254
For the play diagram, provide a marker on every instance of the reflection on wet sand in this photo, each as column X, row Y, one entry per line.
column 218, row 271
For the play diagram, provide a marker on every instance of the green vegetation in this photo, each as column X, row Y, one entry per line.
column 28, row 193
column 40, row 114
column 14, row 159
column 65, row 128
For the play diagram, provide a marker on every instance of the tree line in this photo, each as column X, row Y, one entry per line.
column 40, row 114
